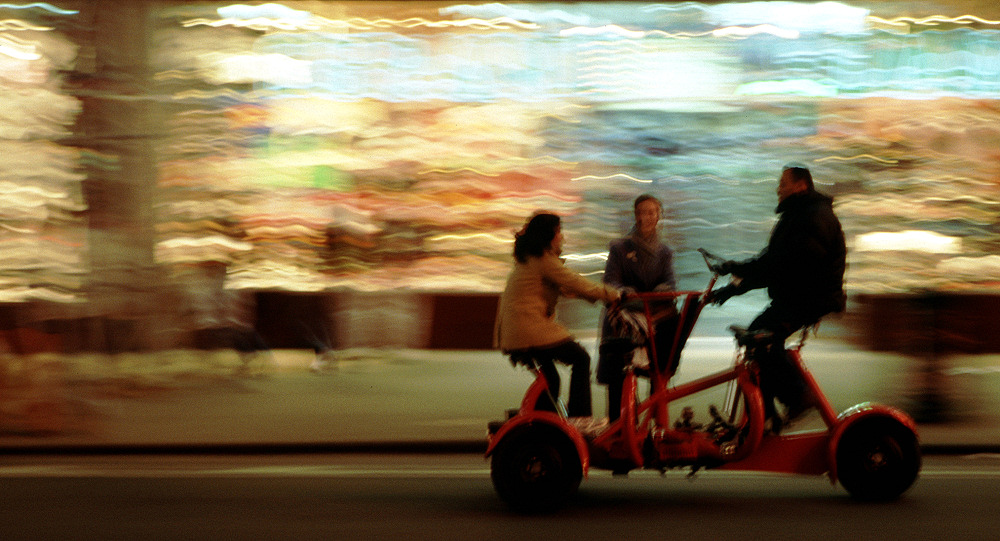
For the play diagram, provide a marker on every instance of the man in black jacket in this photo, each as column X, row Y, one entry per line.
column 802, row 268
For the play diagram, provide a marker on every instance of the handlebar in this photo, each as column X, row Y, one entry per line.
column 658, row 295
column 711, row 260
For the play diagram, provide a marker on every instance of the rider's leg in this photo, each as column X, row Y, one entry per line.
column 573, row 354
column 615, row 385
column 548, row 369
column 615, row 355
column 666, row 330
column 780, row 378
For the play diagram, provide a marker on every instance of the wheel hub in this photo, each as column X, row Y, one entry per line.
column 877, row 460
column 534, row 469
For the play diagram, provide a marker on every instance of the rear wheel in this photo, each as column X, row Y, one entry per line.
column 878, row 459
column 536, row 469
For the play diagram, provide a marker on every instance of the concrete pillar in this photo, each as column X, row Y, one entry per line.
column 118, row 121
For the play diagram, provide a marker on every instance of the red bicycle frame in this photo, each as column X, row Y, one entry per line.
column 872, row 449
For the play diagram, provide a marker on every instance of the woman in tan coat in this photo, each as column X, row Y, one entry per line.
column 526, row 318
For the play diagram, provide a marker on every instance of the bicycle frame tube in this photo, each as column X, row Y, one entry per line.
column 665, row 395
column 689, row 310
column 693, row 304
column 631, row 432
column 538, row 388
column 822, row 404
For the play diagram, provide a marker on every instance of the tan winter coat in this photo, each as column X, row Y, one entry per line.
column 526, row 316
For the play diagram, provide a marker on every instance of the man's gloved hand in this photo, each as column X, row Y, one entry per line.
column 719, row 296
column 723, row 268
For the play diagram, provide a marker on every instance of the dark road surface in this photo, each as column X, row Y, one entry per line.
column 350, row 496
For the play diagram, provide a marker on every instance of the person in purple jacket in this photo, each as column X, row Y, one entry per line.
column 638, row 263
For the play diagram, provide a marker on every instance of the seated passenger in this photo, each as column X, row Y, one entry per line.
column 637, row 263
column 526, row 315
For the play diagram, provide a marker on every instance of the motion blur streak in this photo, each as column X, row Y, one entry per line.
column 277, row 151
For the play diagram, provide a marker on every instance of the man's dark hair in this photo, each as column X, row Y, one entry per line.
column 800, row 173
column 646, row 197
column 536, row 236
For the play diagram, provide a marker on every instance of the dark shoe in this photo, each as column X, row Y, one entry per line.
column 798, row 409
column 774, row 424
column 621, row 470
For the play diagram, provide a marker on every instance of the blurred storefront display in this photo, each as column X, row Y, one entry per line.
column 352, row 172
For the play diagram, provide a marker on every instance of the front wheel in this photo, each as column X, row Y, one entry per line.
column 878, row 459
column 535, row 469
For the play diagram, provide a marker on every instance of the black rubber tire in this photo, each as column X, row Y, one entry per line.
column 536, row 468
column 878, row 459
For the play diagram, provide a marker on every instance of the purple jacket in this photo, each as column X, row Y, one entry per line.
column 629, row 266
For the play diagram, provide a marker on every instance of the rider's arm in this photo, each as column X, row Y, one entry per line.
column 753, row 272
column 572, row 283
column 794, row 248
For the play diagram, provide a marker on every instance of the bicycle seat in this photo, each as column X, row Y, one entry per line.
column 748, row 338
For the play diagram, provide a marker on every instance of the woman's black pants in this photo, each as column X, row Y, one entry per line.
column 572, row 354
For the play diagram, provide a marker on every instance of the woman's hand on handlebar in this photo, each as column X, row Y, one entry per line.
column 615, row 298
column 629, row 300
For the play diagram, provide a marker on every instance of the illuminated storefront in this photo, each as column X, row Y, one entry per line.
column 376, row 156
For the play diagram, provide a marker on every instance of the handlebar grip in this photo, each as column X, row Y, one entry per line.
column 712, row 261
column 709, row 255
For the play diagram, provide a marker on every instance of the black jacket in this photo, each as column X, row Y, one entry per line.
column 803, row 265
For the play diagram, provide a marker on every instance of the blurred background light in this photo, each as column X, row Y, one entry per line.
column 814, row 17
column 917, row 241
column 266, row 11
column 393, row 147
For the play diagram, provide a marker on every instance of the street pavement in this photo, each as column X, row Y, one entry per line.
column 407, row 399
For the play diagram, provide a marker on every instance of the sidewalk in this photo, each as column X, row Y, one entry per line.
column 384, row 400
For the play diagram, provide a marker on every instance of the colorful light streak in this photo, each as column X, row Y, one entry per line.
column 43, row 6
column 740, row 32
column 318, row 24
column 18, row 25
column 857, row 157
column 600, row 256
column 744, row 32
column 796, row 87
column 610, row 177
column 911, row 241
column 933, row 20
column 18, row 49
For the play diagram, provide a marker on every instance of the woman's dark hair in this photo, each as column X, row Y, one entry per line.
column 536, row 236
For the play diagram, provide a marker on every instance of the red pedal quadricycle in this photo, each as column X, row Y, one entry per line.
column 539, row 457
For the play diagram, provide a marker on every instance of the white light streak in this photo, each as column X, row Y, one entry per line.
column 909, row 241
